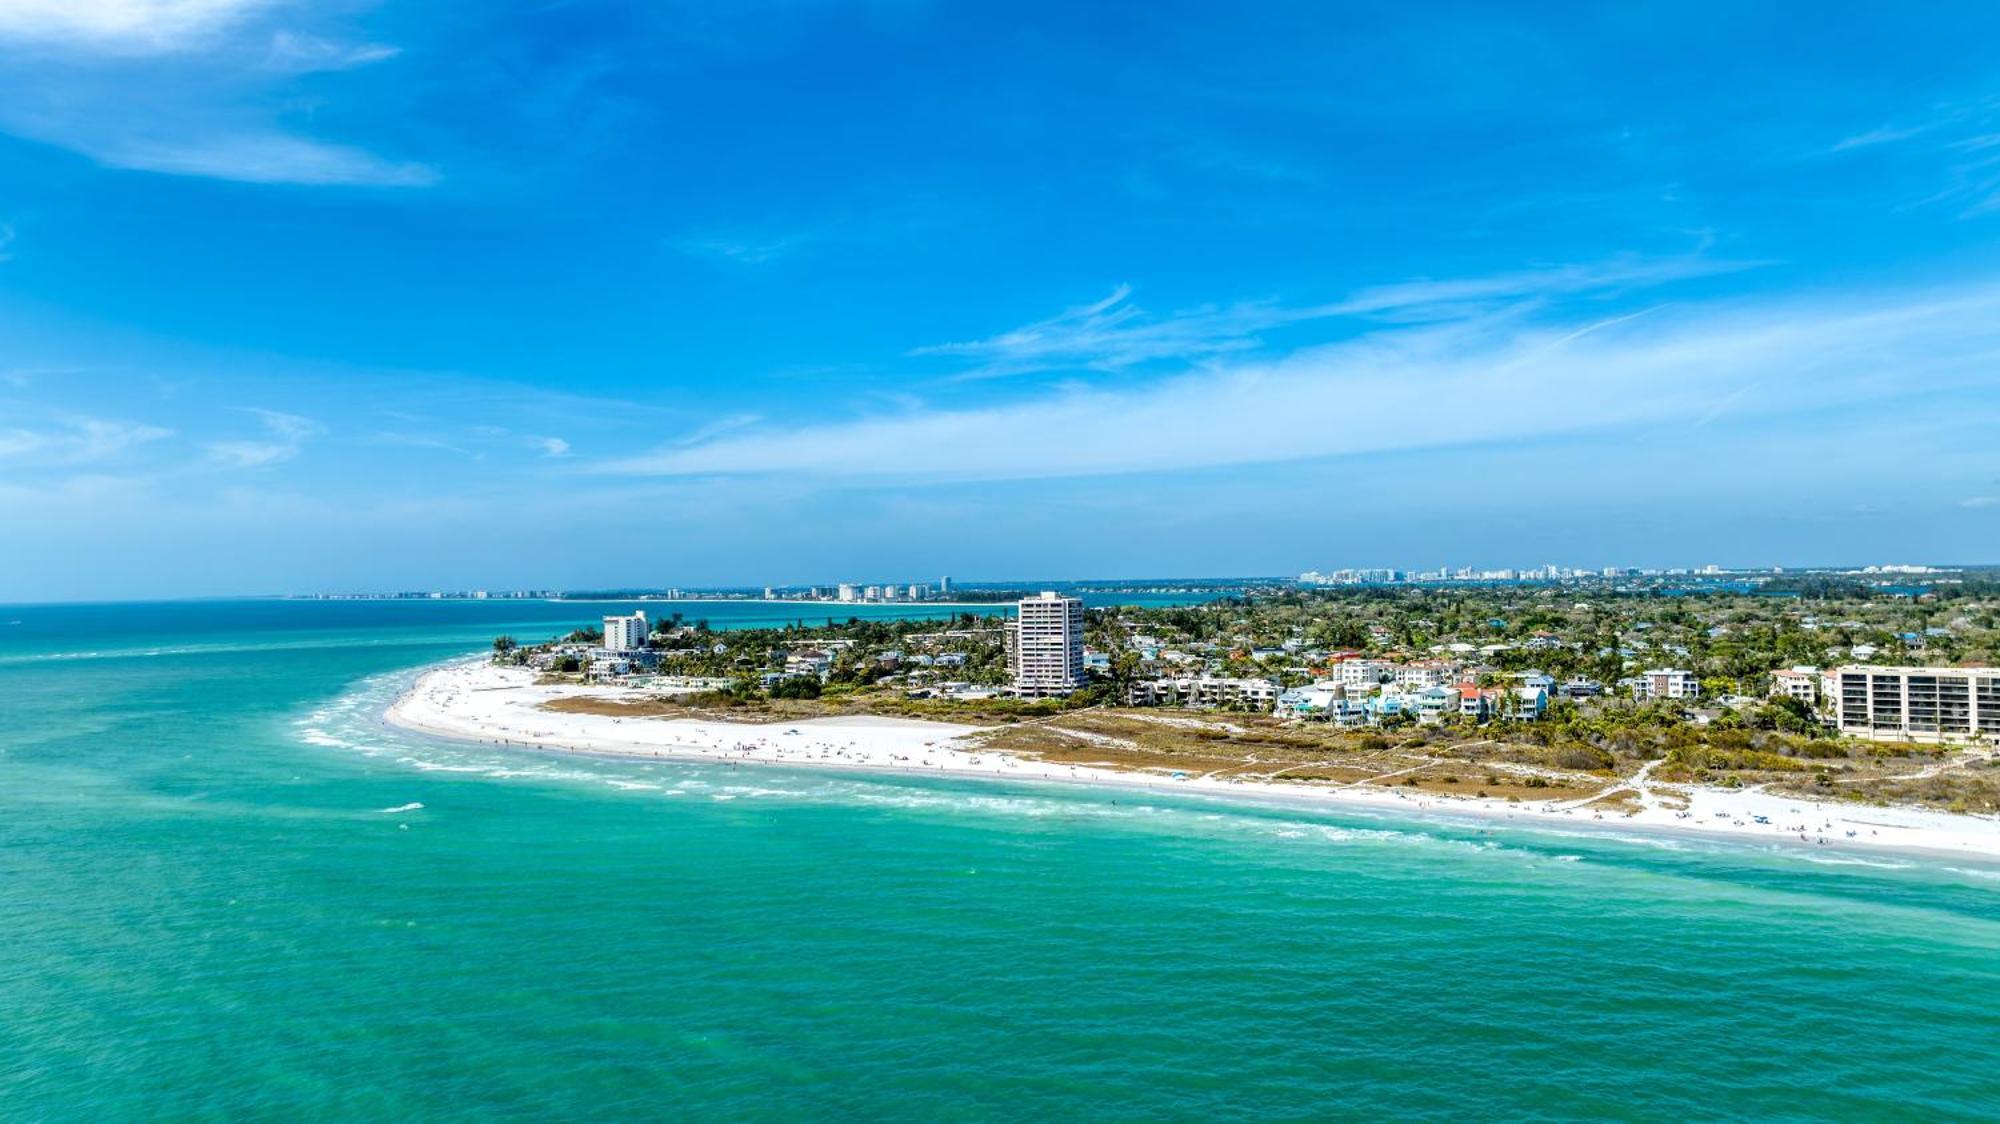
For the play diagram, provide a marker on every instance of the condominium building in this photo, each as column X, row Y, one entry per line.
column 1917, row 703
column 1666, row 683
column 1424, row 673
column 625, row 634
column 1363, row 673
column 1801, row 683
column 1206, row 690
column 1045, row 645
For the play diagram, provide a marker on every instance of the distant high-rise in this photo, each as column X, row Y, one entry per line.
column 944, row 586
column 1045, row 645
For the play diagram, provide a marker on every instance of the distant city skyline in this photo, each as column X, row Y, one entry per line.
column 503, row 295
column 902, row 593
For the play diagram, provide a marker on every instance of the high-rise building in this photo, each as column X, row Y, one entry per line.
column 847, row 592
column 625, row 634
column 944, row 586
column 1045, row 645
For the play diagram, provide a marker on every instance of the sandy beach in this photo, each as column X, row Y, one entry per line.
column 477, row 701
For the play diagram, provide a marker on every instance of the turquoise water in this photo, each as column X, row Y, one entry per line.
column 205, row 912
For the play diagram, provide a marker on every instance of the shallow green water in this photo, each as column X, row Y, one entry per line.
column 205, row 911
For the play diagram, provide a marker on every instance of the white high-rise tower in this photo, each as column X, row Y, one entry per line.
column 1045, row 645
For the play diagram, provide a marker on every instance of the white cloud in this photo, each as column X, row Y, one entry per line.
column 708, row 431
column 1484, row 380
column 285, row 435
column 1885, row 135
column 298, row 53
column 1435, row 300
column 260, row 157
column 1955, row 149
column 1979, row 501
column 1114, row 334
column 743, row 251
column 76, row 441
column 181, row 87
column 551, row 446
column 138, row 26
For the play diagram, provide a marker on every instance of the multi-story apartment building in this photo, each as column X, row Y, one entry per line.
column 625, row 634
column 1363, row 673
column 1666, row 683
column 1205, row 690
column 1801, row 683
column 1424, row 673
column 1917, row 703
column 1045, row 645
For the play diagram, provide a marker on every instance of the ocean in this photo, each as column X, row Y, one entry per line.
column 220, row 899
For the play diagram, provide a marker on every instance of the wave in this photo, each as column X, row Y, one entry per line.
column 1990, row 875
column 1850, row 860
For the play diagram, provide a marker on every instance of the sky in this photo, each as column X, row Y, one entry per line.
column 569, row 294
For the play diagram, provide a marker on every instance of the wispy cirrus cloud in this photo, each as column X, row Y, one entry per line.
column 742, row 250
column 1958, row 142
column 1886, row 134
column 258, row 156
column 294, row 52
column 75, row 441
column 284, row 435
column 709, row 431
column 182, row 87
column 1410, row 387
column 1114, row 333
column 474, row 442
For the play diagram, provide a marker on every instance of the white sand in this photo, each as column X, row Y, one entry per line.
column 476, row 701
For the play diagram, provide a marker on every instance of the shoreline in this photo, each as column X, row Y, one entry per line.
column 475, row 702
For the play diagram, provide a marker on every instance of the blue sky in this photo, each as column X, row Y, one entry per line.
column 396, row 295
